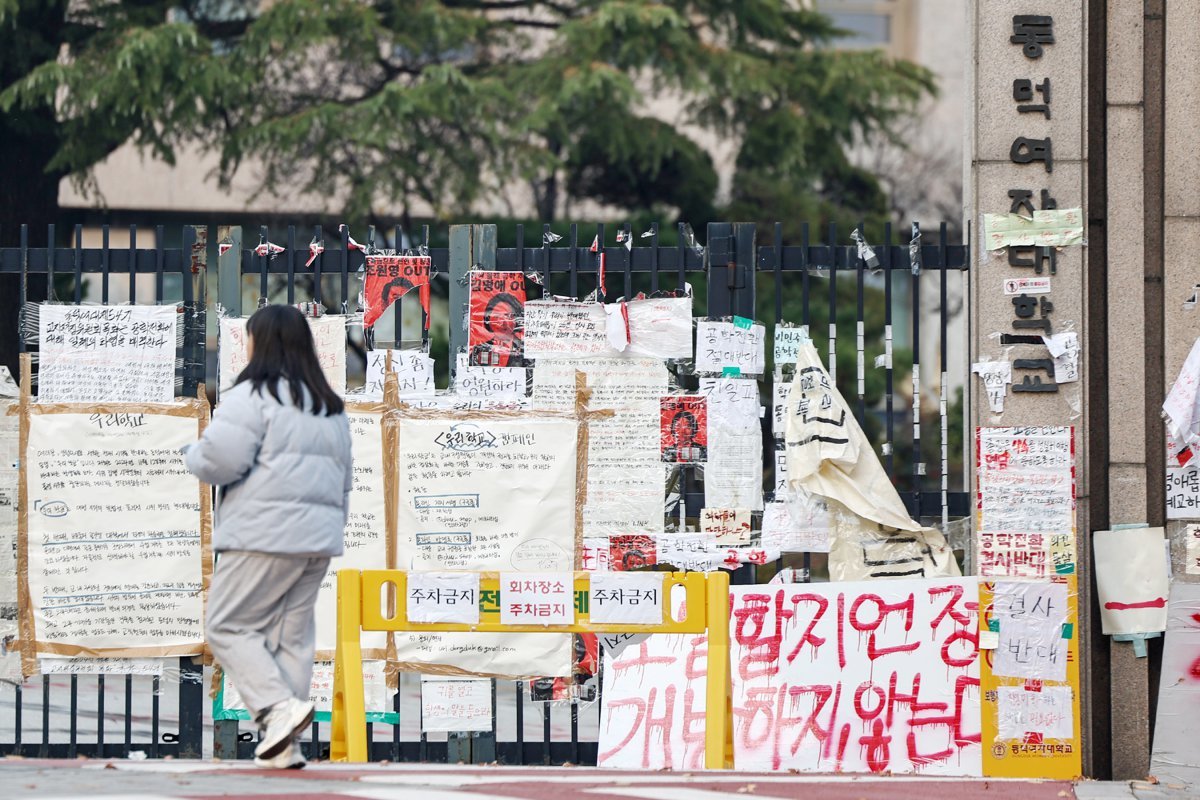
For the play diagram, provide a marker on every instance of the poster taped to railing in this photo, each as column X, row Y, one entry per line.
column 113, row 546
column 466, row 484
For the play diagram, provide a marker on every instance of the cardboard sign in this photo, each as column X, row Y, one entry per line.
column 496, row 329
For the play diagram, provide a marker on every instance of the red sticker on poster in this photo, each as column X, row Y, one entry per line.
column 496, row 334
column 388, row 278
column 632, row 551
column 683, row 429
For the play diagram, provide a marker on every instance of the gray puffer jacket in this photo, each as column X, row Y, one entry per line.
column 286, row 474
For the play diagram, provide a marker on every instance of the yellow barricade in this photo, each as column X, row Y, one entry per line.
column 360, row 606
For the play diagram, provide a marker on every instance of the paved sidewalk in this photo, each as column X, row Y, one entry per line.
column 184, row 780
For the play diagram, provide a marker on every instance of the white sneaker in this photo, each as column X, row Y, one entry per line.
column 281, row 724
column 290, row 758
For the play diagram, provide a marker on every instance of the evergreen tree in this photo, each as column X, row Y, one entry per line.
column 395, row 101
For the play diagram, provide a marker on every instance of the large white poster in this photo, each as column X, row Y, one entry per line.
column 366, row 531
column 106, row 354
column 874, row 677
column 486, row 492
column 625, row 471
column 113, row 531
column 329, row 336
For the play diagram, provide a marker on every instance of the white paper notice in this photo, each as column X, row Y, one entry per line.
column 660, row 327
column 465, row 486
column 1182, row 406
column 1031, row 618
column 787, row 343
column 779, row 397
column 115, row 558
column 1183, row 482
column 625, row 472
column 537, row 598
column 443, row 597
column 734, row 472
column 452, row 706
column 1064, row 349
column 329, row 337
column 497, row 383
column 366, row 531
column 413, row 369
column 996, row 375
column 100, row 666
column 1047, row 711
column 565, row 329
column 106, row 354
column 627, row 597
column 722, row 345
column 1132, row 580
column 800, row 524
column 727, row 526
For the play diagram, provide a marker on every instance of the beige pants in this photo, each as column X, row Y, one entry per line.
column 262, row 624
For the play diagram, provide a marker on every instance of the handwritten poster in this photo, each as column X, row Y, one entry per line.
column 1041, row 640
column 565, row 329
column 788, row 339
column 112, row 531
column 652, row 716
column 1132, row 580
column 683, row 428
column 1044, row 711
column 738, row 345
column 491, row 383
column 726, row 525
column 658, row 328
column 1183, row 483
column 996, row 377
column 329, row 336
column 1026, row 501
column 366, row 541
column 496, row 310
column 106, row 354
column 453, row 705
column 734, row 473
column 863, row 677
column 625, row 471
column 465, row 484
column 413, row 369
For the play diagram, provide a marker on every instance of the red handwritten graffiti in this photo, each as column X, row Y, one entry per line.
column 1114, row 605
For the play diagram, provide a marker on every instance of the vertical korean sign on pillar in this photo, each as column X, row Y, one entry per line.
column 1028, row 166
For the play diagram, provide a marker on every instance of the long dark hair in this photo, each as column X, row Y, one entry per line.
column 284, row 351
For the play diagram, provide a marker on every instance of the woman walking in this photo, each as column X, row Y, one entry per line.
column 279, row 449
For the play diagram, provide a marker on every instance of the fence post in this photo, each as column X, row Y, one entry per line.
column 471, row 246
column 730, row 257
column 229, row 271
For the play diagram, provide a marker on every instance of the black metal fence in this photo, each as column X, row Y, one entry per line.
column 862, row 308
